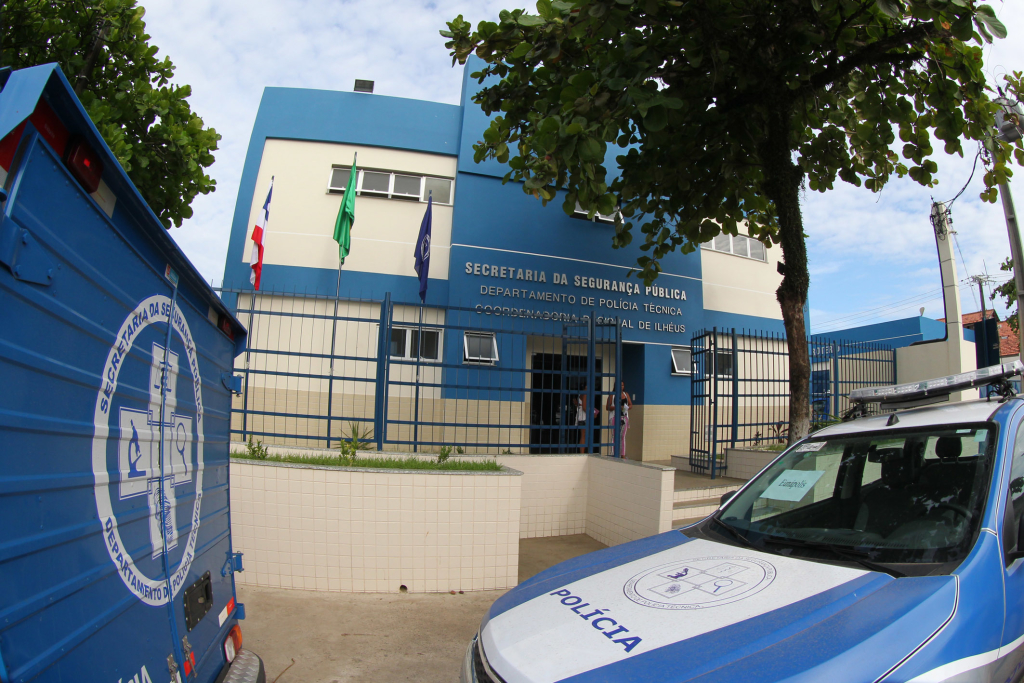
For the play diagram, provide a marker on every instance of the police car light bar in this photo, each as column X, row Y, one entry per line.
column 939, row 387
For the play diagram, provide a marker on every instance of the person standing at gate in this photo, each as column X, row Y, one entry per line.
column 581, row 415
column 627, row 403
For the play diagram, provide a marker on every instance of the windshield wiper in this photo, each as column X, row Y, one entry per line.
column 735, row 534
column 848, row 554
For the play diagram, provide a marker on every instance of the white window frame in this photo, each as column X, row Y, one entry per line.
column 580, row 212
column 675, row 366
column 407, row 351
column 391, row 194
column 710, row 246
column 479, row 360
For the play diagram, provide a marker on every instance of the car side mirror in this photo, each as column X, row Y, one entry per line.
column 725, row 498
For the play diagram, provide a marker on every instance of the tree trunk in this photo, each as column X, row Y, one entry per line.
column 90, row 58
column 782, row 185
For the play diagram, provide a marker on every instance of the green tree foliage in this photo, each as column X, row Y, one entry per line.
column 103, row 49
column 1008, row 291
column 725, row 110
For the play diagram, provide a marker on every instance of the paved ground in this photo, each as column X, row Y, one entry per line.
column 344, row 637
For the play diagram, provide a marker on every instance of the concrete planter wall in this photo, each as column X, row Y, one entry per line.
column 627, row 500
column 554, row 487
column 744, row 463
column 355, row 530
column 360, row 530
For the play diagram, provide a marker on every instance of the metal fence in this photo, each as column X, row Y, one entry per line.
column 740, row 388
column 408, row 377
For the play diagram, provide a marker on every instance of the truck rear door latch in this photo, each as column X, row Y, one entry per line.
column 232, row 564
column 26, row 258
column 232, row 382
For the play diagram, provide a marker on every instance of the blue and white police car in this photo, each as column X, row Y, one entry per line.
column 887, row 547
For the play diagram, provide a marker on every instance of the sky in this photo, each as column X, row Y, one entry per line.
column 872, row 256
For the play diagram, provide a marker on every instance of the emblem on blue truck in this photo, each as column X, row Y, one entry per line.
column 126, row 449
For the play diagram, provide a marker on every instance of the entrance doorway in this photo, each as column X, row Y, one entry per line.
column 553, row 399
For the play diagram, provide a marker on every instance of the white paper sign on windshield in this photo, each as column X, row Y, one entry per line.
column 810, row 446
column 792, row 485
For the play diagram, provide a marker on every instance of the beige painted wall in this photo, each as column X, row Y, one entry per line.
column 735, row 284
column 302, row 213
column 627, row 500
column 335, row 529
column 937, row 359
column 744, row 464
column 666, row 431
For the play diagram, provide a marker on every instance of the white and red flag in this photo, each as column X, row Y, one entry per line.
column 256, row 258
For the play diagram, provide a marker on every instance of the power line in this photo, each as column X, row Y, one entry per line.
column 882, row 308
column 881, row 317
column 949, row 204
column 862, row 317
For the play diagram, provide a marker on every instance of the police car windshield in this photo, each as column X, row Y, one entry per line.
column 896, row 497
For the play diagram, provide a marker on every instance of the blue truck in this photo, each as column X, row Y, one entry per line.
column 116, row 358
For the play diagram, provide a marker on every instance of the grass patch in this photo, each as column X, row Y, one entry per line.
column 378, row 462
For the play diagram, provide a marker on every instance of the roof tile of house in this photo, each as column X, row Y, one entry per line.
column 1009, row 344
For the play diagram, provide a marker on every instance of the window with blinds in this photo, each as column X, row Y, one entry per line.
column 391, row 185
column 738, row 245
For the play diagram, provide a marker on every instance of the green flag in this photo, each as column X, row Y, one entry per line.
column 346, row 217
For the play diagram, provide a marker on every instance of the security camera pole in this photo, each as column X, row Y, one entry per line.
column 1008, row 129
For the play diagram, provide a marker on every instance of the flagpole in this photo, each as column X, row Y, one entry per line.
column 330, row 381
column 334, row 328
column 248, row 347
column 251, row 337
column 419, row 354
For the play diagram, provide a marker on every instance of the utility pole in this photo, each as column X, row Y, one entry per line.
column 1008, row 129
column 953, row 343
column 982, row 338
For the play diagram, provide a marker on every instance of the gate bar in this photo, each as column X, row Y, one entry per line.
column 383, row 353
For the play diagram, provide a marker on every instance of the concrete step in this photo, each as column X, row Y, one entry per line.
column 686, row 495
column 700, row 508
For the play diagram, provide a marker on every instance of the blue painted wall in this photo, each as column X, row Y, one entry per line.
column 634, row 371
column 896, row 333
column 661, row 387
column 494, row 225
column 499, row 225
column 475, row 122
column 342, row 117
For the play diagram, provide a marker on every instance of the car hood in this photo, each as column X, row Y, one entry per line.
column 670, row 608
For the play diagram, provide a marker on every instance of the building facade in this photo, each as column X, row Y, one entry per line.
column 509, row 279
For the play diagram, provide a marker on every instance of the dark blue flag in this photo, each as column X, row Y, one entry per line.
column 423, row 250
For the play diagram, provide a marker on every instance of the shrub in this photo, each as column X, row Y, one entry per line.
column 256, row 451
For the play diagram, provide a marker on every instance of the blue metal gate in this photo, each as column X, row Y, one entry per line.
column 740, row 388
column 414, row 377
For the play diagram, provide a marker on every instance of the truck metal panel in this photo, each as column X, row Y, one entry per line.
column 113, row 452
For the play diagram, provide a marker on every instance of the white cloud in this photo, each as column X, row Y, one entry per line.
column 866, row 251
column 229, row 50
